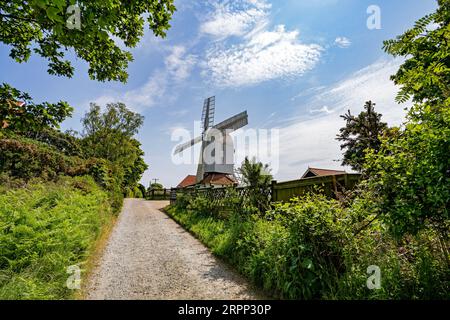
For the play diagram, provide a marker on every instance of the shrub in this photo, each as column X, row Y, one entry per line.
column 200, row 205
column 315, row 248
column 295, row 251
column 410, row 176
column 26, row 159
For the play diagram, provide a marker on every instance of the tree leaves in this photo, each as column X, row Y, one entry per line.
column 19, row 113
column 109, row 135
column 40, row 23
column 425, row 75
column 360, row 134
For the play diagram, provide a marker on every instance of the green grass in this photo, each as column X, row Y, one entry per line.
column 45, row 228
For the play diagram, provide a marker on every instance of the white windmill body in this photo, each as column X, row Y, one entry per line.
column 217, row 149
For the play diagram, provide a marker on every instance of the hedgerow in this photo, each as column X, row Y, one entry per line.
column 315, row 248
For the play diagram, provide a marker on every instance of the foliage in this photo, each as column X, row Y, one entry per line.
column 156, row 186
column 412, row 267
column 109, row 136
column 313, row 248
column 40, row 26
column 360, row 134
column 257, row 178
column 45, row 228
column 425, row 75
column 142, row 190
column 25, row 158
column 411, row 173
column 65, row 142
column 255, row 174
column 19, row 113
column 410, row 176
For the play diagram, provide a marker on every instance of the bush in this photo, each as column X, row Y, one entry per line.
column 295, row 251
column 410, row 176
column 24, row 158
column 315, row 248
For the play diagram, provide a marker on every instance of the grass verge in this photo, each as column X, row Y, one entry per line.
column 46, row 228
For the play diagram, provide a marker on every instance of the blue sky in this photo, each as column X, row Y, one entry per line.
column 294, row 65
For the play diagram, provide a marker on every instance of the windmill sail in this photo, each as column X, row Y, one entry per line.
column 234, row 123
column 220, row 158
column 209, row 108
column 180, row 148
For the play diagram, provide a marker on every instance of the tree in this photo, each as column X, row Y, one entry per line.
column 19, row 113
column 156, row 186
column 142, row 190
column 116, row 118
column 410, row 175
column 41, row 26
column 425, row 75
column 255, row 174
column 109, row 135
column 133, row 172
column 360, row 134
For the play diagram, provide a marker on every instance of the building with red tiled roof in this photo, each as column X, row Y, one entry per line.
column 218, row 180
column 190, row 180
column 315, row 172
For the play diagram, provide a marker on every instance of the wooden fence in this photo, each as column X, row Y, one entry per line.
column 332, row 186
column 158, row 194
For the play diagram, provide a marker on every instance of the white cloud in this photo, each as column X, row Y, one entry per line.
column 179, row 64
column 235, row 18
column 343, row 42
column 324, row 109
column 266, row 55
column 257, row 53
column 145, row 96
column 311, row 142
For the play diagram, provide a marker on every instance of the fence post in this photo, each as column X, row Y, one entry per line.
column 173, row 195
column 272, row 191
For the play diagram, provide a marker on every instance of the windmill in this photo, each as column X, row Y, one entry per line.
column 217, row 150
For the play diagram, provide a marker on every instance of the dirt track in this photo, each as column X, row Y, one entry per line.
column 149, row 256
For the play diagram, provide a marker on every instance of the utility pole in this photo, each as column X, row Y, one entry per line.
column 154, row 181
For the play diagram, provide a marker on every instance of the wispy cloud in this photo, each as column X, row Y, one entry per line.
column 146, row 96
column 235, row 18
column 178, row 113
column 266, row 55
column 312, row 141
column 324, row 109
column 178, row 67
column 343, row 42
column 257, row 52
column 180, row 64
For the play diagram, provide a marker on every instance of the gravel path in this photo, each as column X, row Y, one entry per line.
column 149, row 256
